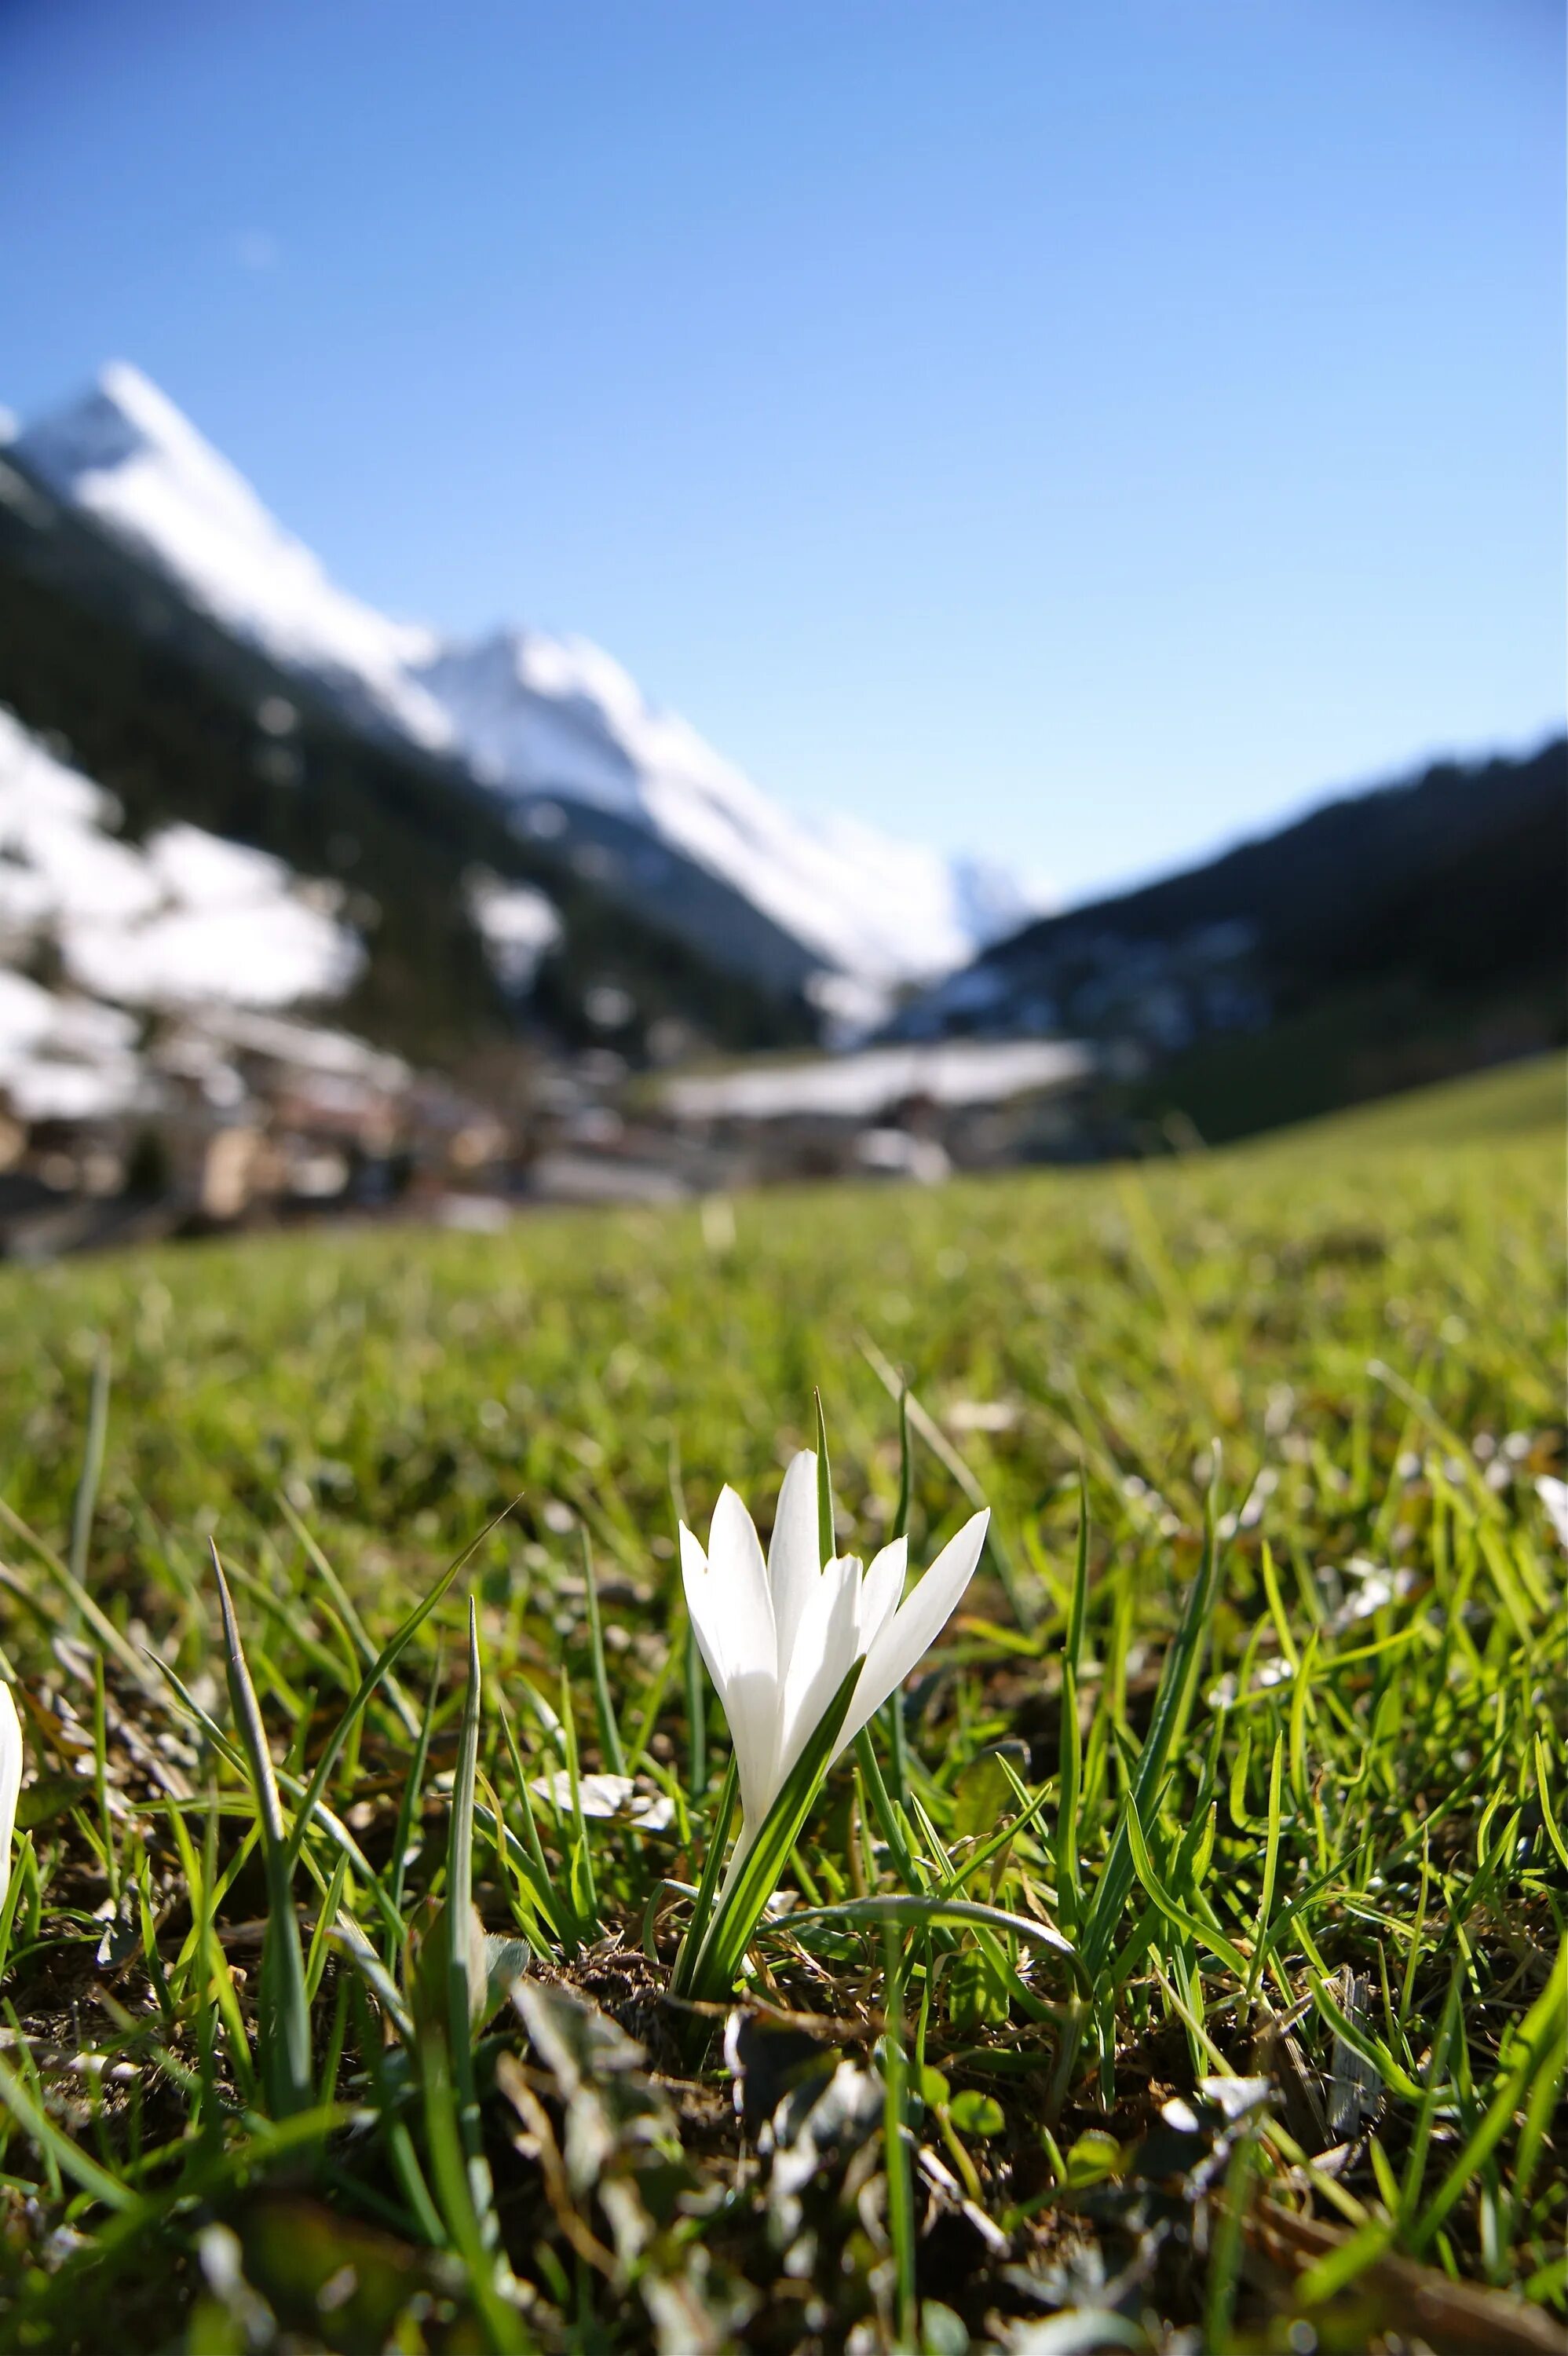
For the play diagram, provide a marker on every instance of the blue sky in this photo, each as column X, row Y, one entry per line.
column 1077, row 434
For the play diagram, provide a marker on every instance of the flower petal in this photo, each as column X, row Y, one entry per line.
column 916, row 1624
column 10, row 1780
column 752, row 1707
column 825, row 1643
column 706, row 1615
column 880, row 1590
column 795, row 1562
column 740, row 1578
column 739, row 1602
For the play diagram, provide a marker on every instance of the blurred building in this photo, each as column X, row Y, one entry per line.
column 915, row 1112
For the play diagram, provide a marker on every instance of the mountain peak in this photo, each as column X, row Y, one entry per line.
column 122, row 422
column 130, row 457
column 531, row 715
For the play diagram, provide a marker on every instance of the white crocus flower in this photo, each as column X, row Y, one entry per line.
column 10, row 1781
column 779, row 1637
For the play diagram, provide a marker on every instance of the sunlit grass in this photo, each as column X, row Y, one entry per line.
column 1264, row 1782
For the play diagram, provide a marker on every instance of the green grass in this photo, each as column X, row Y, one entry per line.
column 1527, row 1099
column 262, row 2081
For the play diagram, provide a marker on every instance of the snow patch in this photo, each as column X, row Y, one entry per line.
column 269, row 952
column 517, row 925
column 187, row 923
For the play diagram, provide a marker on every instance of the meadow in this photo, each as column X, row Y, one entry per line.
column 1181, row 1966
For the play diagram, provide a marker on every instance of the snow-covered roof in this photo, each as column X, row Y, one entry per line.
column 65, row 1058
column 306, row 1046
column 859, row 1087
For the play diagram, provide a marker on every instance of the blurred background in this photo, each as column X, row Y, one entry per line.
column 617, row 603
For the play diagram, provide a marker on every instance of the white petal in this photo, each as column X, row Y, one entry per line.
column 751, row 1707
column 879, row 1594
column 738, row 1593
column 795, row 1560
column 739, row 1581
column 706, row 1615
column 916, row 1624
column 749, row 1694
column 10, row 1780
column 825, row 1643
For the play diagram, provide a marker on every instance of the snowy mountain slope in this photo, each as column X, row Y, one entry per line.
column 561, row 717
column 554, row 724
column 128, row 456
column 182, row 720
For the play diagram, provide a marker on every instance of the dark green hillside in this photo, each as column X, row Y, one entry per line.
column 1387, row 941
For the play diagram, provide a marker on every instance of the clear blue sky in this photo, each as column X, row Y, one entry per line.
column 1076, row 433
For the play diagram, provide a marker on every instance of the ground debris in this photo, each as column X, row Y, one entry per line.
column 620, row 2156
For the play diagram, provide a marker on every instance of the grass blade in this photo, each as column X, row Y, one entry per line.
column 1029, row 1809
column 895, row 2143
column 1170, row 1906
column 1071, row 1744
column 1271, row 1867
column 906, row 1471
column 826, row 1538
column 1537, row 2032
column 85, row 1504
column 604, row 1709
column 413, row 1786
column 935, row 1909
column 283, row 2014
column 462, row 1963
column 1173, row 1702
column 343, row 1603
column 390, row 1651
column 446, row 2048
column 68, row 2156
column 707, row 1888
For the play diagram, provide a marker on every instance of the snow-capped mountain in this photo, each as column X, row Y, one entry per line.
column 553, row 725
column 538, row 715
column 130, row 458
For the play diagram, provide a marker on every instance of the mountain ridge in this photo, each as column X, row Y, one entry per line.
column 530, row 715
column 177, row 718
column 1378, row 940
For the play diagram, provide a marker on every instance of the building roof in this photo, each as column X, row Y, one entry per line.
column 863, row 1087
